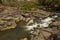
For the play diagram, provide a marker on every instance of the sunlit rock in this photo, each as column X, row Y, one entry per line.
column 8, row 18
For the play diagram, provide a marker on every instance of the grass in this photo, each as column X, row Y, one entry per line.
column 22, row 5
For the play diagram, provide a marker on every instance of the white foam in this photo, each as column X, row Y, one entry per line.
column 47, row 19
column 45, row 23
column 31, row 26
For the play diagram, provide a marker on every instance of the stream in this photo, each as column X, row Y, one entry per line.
column 20, row 30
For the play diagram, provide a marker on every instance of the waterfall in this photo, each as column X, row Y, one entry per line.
column 44, row 23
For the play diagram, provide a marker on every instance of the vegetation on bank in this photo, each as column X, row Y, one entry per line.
column 51, row 5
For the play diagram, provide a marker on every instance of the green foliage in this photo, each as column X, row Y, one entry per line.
column 24, row 5
column 27, row 5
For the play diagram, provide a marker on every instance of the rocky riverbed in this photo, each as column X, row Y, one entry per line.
column 13, row 22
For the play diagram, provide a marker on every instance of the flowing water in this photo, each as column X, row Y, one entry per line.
column 14, row 34
column 19, row 31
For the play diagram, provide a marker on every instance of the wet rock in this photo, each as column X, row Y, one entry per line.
column 56, row 22
column 41, row 13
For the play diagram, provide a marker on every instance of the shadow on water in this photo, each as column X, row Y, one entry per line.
column 15, row 34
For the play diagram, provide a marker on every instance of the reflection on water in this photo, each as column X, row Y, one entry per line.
column 14, row 34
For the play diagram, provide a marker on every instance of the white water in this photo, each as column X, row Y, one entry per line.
column 44, row 23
